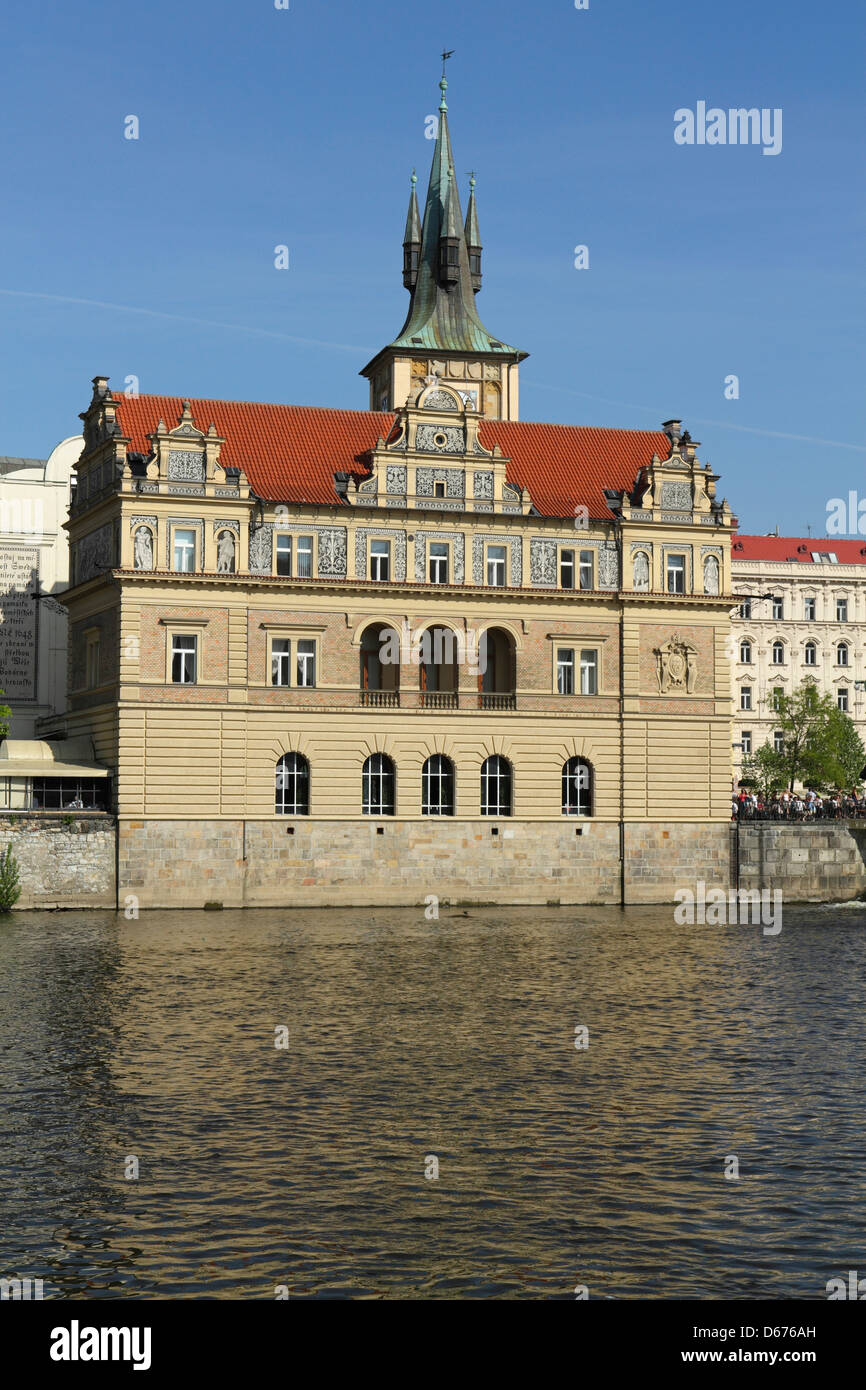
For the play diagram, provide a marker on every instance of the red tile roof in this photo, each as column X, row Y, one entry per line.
column 290, row 453
column 799, row 548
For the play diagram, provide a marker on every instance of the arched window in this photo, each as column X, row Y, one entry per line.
column 577, row 788
column 380, row 666
column 811, row 654
column 841, row 653
column 378, row 786
column 745, row 651
column 778, row 653
column 496, row 787
column 293, row 785
column 437, row 786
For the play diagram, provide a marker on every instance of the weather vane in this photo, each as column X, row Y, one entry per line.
column 448, row 53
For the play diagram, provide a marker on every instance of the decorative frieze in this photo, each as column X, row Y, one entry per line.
column 482, row 485
column 440, row 439
column 262, row 548
column 440, row 400
column 93, row 553
column 332, row 552
column 453, row 478
column 185, row 466
column 395, row 479
column 676, row 496
column 542, row 562
column 608, row 566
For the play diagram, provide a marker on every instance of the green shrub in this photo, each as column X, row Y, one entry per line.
column 10, row 889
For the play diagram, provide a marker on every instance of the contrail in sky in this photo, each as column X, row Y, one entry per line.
column 181, row 318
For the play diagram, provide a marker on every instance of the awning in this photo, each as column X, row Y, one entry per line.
column 30, row 757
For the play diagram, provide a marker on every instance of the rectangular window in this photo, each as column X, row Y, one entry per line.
column 589, row 672
column 496, row 555
column 439, row 488
column 184, row 550
column 305, row 557
column 841, row 610
column 380, row 560
column 281, row 653
column 566, row 569
column 184, row 654
column 842, row 654
column 842, row 700
column 778, row 608
column 92, row 662
column 779, row 741
column 776, row 701
column 745, row 697
column 676, row 568
column 306, row 662
column 586, row 569
column 565, row 670
column 284, row 555
column 746, row 740
column 811, row 609
column 438, row 562
column 746, row 608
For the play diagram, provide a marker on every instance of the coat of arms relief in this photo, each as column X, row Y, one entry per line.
column 676, row 665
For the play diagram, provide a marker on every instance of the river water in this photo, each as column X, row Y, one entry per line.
column 411, row 1041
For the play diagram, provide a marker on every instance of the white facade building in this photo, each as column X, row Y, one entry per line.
column 803, row 615
column 34, row 504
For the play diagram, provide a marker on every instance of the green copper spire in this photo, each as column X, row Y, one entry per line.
column 442, row 315
column 473, row 237
column 411, row 238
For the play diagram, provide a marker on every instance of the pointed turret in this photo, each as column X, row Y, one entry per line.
column 442, row 334
column 411, row 239
column 473, row 237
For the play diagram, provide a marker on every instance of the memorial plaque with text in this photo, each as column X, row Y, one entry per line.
column 19, row 566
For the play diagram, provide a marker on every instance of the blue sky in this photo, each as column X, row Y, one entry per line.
column 259, row 127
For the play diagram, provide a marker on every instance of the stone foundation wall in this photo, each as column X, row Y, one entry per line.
column 343, row 863
column 808, row 863
column 64, row 859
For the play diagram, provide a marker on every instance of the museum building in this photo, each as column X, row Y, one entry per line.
column 344, row 656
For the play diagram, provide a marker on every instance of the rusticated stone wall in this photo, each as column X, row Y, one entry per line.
column 822, row 862
column 64, row 859
column 346, row 863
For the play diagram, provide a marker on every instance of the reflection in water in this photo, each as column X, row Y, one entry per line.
column 305, row 1166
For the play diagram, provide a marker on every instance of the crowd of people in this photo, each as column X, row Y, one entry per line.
column 801, row 806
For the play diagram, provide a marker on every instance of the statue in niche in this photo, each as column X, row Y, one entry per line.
column 676, row 666
column 226, row 553
column 711, row 575
column 143, row 549
column 640, row 567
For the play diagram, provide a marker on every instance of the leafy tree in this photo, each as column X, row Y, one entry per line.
column 5, row 717
column 820, row 749
column 10, row 889
column 763, row 770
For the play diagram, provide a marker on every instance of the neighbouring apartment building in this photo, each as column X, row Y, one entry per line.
column 34, row 569
column 365, row 656
column 802, row 614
